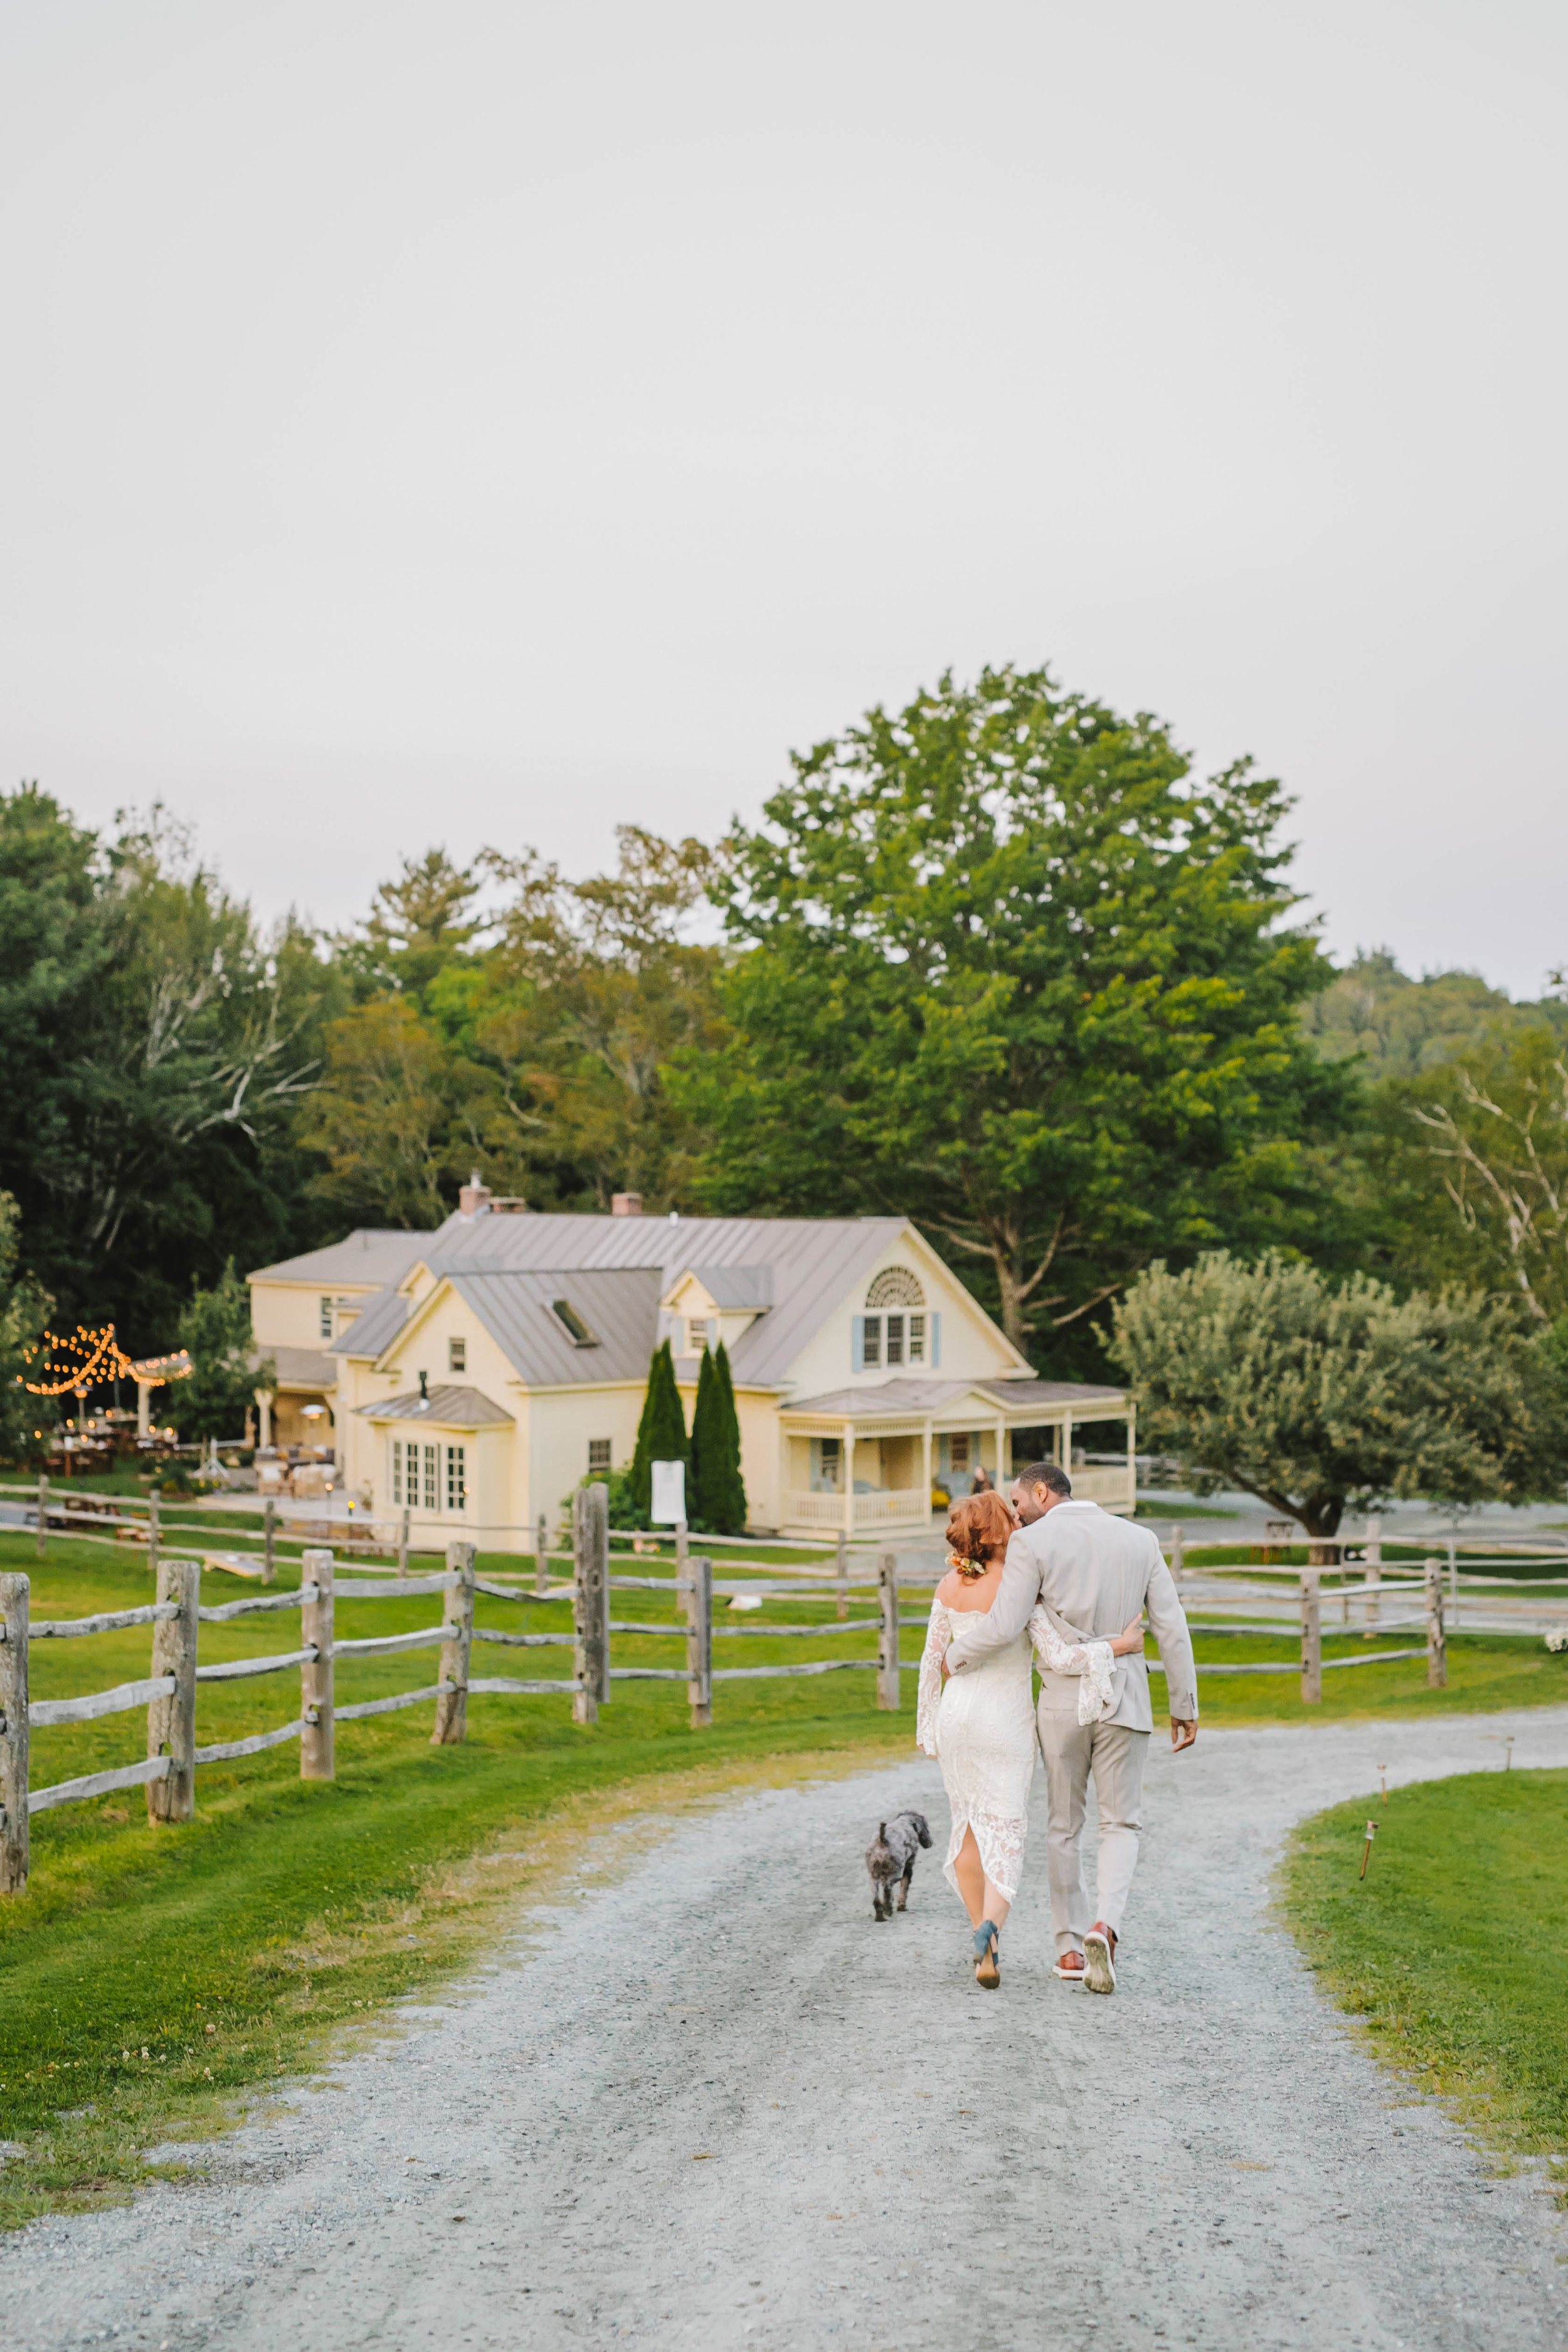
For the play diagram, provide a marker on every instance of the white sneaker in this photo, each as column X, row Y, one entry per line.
column 1099, row 1967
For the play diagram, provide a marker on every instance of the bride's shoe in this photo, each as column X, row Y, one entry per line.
column 986, row 1971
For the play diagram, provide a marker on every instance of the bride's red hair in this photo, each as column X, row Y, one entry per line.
column 981, row 1525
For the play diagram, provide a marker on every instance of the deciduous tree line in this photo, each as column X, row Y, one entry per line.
column 998, row 959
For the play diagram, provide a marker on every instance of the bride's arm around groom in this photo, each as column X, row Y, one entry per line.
column 1095, row 1571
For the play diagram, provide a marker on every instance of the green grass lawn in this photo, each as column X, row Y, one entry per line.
column 286, row 1907
column 1454, row 1950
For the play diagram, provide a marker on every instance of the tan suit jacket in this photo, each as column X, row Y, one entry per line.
column 1096, row 1572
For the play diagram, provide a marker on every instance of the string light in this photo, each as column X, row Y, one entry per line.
column 89, row 1357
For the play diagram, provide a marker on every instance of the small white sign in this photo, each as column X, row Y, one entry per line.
column 668, row 1494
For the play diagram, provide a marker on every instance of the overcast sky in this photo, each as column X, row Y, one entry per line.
column 488, row 422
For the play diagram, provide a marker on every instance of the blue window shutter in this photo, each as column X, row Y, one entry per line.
column 858, row 1344
column 935, row 1341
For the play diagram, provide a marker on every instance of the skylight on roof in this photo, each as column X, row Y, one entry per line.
column 572, row 1323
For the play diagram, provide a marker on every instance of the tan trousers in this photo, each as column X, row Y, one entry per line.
column 1115, row 1754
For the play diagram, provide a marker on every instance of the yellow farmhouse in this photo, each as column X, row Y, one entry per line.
column 474, row 1375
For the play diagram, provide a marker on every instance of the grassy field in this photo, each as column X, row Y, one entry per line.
column 159, row 1979
column 1454, row 1950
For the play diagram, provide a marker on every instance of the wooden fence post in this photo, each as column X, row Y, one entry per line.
column 43, row 1516
column 171, row 1721
column 542, row 1556
column 318, row 1755
column 402, row 1544
column 888, row 1646
column 1373, row 1569
column 699, row 1641
column 591, row 1600
column 1178, row 1555
column 1436, row 1643
column 153, row 1529
column 1312, row 1639
column 841, row 1570
column 682, row 1568
column 14, row 1735
column 452, row 1707
column 269, row 1540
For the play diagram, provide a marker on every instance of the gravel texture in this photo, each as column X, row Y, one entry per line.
column 703, row 2099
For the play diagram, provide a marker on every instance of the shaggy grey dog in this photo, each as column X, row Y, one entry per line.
column 891, row 1859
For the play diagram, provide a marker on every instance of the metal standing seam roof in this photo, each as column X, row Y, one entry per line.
column 371, row 1255
column 618, row 1304
column 814, row 1262
column 445, row 1406
column 908, row 1398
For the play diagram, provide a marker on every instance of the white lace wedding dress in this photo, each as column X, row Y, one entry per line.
column 980, row 1726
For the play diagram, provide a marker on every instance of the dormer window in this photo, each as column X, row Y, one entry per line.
column 572, row 1323
column 699, row 1335
column 326, row 1319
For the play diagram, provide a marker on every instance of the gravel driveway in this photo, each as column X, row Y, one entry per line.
column 703, row 2099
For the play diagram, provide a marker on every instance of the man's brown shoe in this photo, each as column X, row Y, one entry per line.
column 1070, row 1968
column 1100, row 1959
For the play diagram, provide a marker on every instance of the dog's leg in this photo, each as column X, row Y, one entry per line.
column 904, row 1884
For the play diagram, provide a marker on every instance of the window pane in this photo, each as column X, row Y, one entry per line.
column 917, row 1339
column 895, row 1339
column 397, row 1471
column 432, row 1477
column 598, row 1454
column 326, row 1319
column 873, row 1339
column 457, row 1355
column 457, row 1478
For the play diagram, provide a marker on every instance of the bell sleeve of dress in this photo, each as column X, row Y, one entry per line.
column 1095, row 1661
column 927, row 1696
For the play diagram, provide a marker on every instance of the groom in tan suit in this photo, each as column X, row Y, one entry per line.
column 1095, row 1573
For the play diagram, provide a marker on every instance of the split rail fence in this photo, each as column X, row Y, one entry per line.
column 173, row 1757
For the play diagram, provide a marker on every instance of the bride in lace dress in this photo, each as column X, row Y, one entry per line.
column 981, row 1724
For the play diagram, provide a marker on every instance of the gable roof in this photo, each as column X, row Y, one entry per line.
column 447, row 1407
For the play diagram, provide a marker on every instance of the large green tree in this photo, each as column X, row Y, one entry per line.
column 152, row 1046
column 1002, row 962
column 1318, row 1396
column 23, row 1313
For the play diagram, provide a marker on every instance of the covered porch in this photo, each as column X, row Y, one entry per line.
column 868, row 1458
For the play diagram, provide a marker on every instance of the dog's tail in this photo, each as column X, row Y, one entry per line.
column 882, row 1830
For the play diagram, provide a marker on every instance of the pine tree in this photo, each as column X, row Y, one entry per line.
column 718, row 1499
column 661, row 1431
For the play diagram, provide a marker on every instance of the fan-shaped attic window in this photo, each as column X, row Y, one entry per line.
column 577, row 1331
column 895, row 1286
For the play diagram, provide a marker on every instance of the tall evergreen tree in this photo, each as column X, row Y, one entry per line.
column 717, row 1502
column 661, row 1431
column 734, row 1507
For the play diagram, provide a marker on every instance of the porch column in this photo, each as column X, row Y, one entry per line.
column 925, row 1459
column 1001, row 1455
column 1132, row 1455
column 264, row 1406
column 1067, row 1443
column 143, row 1408
column 849, row 1451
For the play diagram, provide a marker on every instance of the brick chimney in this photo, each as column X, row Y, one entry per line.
column 473, row 1197
column 626, row 1204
